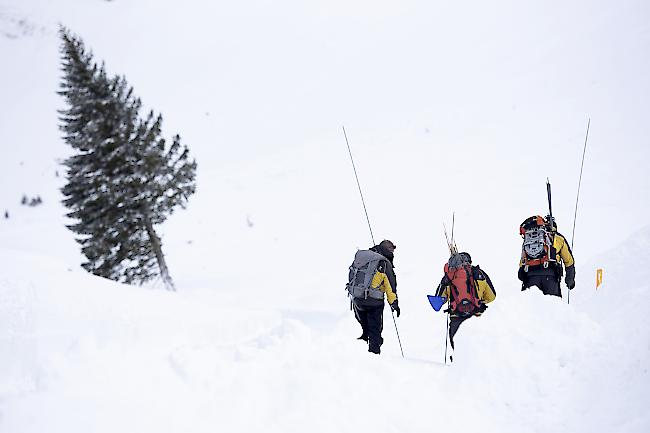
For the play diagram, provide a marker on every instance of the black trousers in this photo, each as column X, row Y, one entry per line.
column 371, row 319
column 548, row 284
column 454, row 324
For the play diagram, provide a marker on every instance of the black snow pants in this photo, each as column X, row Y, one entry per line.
column 548, row 284
column 454, row 324
column 371, row 318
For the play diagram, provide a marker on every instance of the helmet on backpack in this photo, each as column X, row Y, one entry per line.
column 459, row 260
column 532, row 222
column 466, row 257
column 537, row 248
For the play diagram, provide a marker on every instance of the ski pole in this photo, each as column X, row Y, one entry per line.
column 397, row 332
column 359, row 186
column 575, row 213
column 370, row 228
column 453, row 223
column 446, row 336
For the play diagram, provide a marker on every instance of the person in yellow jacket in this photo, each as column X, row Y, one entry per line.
column 467, row 288
column 543, row 253
column 368, row 299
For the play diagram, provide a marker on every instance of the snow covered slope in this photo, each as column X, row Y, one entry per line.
column 80, row 353
column 466, row 106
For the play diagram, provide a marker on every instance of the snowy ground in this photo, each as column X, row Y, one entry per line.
column 447, row 107
column 84, row 354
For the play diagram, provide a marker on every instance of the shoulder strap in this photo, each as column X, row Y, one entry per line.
column 483, row 276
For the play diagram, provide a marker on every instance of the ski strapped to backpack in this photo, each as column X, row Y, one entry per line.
column 363, row 269
column 462, row 286
column 537, row 249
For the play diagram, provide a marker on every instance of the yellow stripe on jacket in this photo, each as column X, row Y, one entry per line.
column 380, row 282
column 562, row 249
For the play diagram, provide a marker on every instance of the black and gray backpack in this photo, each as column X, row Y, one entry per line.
column 362, row 271
column 537, row 249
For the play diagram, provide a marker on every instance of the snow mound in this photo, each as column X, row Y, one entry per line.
column 81, row 353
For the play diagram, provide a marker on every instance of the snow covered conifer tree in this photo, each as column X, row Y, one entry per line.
column 124, row 178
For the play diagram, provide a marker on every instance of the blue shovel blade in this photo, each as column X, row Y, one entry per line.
column 436, row 301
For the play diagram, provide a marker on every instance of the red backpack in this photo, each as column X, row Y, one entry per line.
column 462, row 286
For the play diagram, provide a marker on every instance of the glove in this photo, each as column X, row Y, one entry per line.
column 395, row 307
column 570, row 279
column 482, row 307
column 521, row 274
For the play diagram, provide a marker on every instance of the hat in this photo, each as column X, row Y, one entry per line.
column 387, row 245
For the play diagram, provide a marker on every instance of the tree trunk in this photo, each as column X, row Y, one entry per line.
column 157, row 249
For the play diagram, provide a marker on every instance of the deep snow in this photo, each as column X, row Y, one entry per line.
column 448, row 107
column 84, row 354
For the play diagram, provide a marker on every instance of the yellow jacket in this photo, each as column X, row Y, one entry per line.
column 563, row 249
column 380, row 282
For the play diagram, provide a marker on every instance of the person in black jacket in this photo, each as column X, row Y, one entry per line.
column 369, row 311
column 541, row 264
